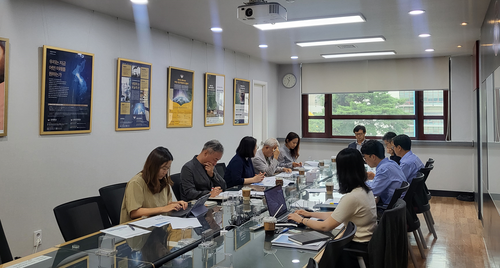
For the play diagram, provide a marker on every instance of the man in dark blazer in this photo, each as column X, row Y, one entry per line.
column 359, row 132
column 199, row 176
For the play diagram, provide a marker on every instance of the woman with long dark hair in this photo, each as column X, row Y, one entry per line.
column 240, row 169
column 149, row 192
column 357, row 204
column 289, row 151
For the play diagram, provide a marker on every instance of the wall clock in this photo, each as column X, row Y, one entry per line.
column 289, row 80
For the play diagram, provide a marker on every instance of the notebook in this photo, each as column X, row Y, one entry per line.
column 283, row 241
column 308, row 237
column 275, row 200
column 192, row 210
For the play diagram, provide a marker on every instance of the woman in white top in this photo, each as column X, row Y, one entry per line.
column 357, row 205
column 289, row 152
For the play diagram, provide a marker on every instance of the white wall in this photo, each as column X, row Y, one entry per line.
column 289, row 102
column 462, row 99
column 38, row 173
column 454, row 168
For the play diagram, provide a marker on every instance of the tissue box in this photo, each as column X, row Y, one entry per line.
column 312, row 175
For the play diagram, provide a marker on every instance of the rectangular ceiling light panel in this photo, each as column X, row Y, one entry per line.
column 341, row 41
column 309, row 23
column 360, row 54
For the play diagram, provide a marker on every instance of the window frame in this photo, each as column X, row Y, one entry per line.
column 418, row 117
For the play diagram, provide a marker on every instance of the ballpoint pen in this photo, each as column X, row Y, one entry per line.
column 284, row 230
column 131, row 227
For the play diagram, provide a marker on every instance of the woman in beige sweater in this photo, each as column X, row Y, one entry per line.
column 149, row 192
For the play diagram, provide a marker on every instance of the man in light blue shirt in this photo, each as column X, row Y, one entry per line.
column 388, row 174
column 410, row 163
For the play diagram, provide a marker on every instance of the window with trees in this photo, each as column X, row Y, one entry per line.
column 419, row 114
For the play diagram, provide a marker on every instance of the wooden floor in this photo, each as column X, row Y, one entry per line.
column 460, row 236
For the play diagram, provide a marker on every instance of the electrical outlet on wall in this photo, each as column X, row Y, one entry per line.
column 37, row 238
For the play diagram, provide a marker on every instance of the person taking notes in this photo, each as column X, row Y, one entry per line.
column 149, row 192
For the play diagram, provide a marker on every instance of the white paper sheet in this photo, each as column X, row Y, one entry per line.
column 316, row 190
column 271, row 181
column 181, row 223
column 29, row 262
column 311, row 163
column 157, row 221
column 125, row 231
column 303, row 204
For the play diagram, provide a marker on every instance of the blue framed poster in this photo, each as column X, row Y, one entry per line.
column 133, row 95
column 67, row 84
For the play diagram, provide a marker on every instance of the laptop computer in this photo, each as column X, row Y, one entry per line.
column 275, row 200
column 192, row 210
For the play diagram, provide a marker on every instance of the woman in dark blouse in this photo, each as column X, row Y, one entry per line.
column 240, row 170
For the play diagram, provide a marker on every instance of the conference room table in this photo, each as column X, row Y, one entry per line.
column 192, row 247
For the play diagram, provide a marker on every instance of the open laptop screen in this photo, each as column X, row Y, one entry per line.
column 274, row 200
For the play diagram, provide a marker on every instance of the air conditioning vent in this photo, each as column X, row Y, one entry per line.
column 346, row 46
column 274, row 9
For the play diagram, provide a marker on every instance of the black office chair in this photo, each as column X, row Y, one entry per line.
column 5, row 254
column 333, row 249
column 422, row 205
column 388, row 246
column 412, row 220
column 398, row 193
column 429, row 162
column 81, row 217
column 112, row 196
column 176, row 178
column 221, row 169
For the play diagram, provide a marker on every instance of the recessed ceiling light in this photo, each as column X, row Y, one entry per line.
column 429, row 50
column 424, row 35
column 360, row 54
column 216, row 29
column 463, row 23
column 140, row 2
column 263, row 46
column 459, row 46
column 308, row 23
column 341, row 41
column 294, row 57
column 416, row 12
column 295, row 261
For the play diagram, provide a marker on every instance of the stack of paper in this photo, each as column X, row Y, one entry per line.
column 282, row 241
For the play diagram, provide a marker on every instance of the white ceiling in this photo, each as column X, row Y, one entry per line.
column 389, row 18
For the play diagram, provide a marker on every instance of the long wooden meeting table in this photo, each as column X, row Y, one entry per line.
column 204, row 246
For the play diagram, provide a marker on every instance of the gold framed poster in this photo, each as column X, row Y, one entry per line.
column 180, row 97
column 4, row 84
column 133, row 95
column 241, row 103
column 214, row 99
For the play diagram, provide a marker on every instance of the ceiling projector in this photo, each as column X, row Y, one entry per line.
column 260, row 12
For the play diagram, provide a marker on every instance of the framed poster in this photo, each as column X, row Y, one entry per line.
column 180, row 97
column 133, row 95
column 241, row 101
column 214, row 99
column 67, row 84
column 4, row 77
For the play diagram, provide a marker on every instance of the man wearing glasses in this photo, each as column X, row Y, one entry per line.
column 359, row 132
column 388, row 174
